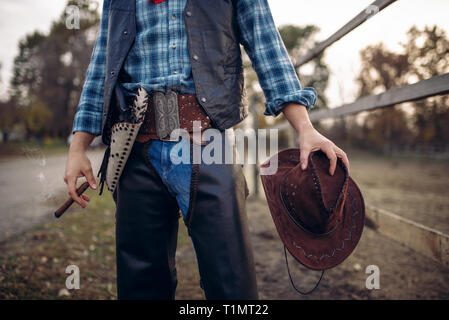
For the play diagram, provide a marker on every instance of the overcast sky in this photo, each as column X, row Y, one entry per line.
column 20, row 17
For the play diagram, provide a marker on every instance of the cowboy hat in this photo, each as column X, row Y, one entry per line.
column 319, row 217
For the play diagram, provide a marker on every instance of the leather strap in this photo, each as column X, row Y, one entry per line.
column 189, row 111
column 293, row 284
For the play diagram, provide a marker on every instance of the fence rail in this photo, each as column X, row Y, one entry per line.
column 437, row 85
column 427, row 241
column 363, row 16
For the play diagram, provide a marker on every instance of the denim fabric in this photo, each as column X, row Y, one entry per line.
column 176, row 177
column 159, row 59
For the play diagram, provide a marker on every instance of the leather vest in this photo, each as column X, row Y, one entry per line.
column 214, row 51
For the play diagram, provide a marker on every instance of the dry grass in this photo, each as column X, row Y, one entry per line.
column 32, row 264
column 417, row 189
column 47, row 147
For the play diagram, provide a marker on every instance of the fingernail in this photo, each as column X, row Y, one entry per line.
column 94, row 186
column 303, row 166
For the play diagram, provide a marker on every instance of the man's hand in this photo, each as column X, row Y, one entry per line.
column 310, row 139
column 78, row 165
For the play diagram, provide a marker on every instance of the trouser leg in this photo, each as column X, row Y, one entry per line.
column 146, row 231
column 218, row 226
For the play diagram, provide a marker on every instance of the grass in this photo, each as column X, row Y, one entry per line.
column 32, row 264
column 47, row 147
column 413, row 188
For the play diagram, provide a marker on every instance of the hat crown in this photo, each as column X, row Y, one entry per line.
column 319, row 227
column 313, row 198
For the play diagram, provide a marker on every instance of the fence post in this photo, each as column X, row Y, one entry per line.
column 253, row 110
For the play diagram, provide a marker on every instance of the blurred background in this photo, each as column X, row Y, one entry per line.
column 381, row 72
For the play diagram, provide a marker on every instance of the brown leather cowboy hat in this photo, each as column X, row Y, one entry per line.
column 319, row 217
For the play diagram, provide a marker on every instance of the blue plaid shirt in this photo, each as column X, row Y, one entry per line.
column 159, row 59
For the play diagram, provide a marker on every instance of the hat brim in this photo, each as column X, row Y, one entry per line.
column 317, row 252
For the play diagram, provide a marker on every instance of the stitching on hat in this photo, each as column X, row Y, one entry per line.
column 317, row 182
column 309, row 256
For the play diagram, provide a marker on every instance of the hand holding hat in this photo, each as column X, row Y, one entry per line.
column 319, row 217
column 310, row 139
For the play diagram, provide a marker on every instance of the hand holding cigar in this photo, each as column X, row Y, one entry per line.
column 78, row 165
column 69, row 202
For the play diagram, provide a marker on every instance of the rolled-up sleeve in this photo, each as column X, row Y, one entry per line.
column 264, row 46
column 89, row 113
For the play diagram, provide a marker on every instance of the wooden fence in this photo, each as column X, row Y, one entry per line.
column 422, row 239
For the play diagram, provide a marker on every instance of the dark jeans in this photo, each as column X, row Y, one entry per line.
column 147, row 224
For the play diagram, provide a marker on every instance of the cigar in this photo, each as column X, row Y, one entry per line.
column 69, row 202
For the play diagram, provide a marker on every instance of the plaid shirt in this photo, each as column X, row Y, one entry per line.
column 159, row 59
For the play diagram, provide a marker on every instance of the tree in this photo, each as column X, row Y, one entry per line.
column 49, row 70
column 8, row 117
column 428, row 52
column 382, row 70
column 424, row 55
column 36, row 117
column 28, row 68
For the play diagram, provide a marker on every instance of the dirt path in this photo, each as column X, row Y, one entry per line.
column 26, row 185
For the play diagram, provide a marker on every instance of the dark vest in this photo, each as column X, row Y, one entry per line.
column 214, row 50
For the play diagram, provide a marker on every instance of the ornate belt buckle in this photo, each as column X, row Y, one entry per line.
column 166, row 113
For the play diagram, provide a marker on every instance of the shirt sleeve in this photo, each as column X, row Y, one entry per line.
column 89, row 113
column 264, row 46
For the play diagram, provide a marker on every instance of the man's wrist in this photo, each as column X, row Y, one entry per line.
column 298, row 116
column 304, row 125
column 81, row 141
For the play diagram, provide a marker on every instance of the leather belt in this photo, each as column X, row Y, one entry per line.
column 188, row 111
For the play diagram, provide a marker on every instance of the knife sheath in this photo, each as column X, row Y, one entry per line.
column 123, row 136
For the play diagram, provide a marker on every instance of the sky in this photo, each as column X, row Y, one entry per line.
column 20, row 17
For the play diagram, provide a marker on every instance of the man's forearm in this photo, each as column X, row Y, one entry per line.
column 298, row 116
column 310, row 140
column 81, row 141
